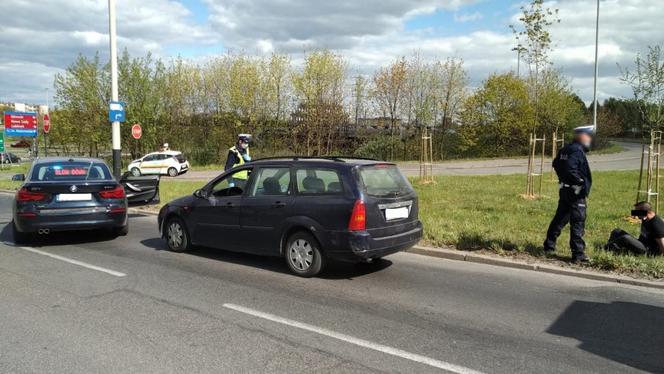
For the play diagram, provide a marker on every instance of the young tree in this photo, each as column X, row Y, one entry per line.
column 646, row 79
column 557, row 107
column 454, row 80
column 534, row 42
column 319, row 88
column 82, row 93
column 497, row 118
column 388, row 91
column 276, row 85
column 360, row 86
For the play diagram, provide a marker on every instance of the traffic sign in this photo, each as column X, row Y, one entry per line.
column 116, row 111
column 20, row 124
column 47, row 124
column 136, row 131
column 2, row 141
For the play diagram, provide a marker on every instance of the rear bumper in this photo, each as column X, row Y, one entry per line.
column 361, row 246
column 71, row 221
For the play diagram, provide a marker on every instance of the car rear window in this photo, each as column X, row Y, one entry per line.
column 70, row 171
column 180, row 158
column 384, row 181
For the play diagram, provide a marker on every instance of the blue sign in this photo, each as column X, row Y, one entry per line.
column 116, row 111
column 21, row 132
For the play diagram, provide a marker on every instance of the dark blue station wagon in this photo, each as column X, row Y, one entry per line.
column 307, row 210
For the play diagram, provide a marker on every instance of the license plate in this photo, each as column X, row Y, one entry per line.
column 396, row 213
column 74, row 197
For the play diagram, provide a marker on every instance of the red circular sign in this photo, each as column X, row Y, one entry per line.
column 136, row 131
column 47, row 124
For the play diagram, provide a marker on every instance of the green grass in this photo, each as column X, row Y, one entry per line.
column 172, row 189
column 488, row 212
column 7, row 184
column 214, row 167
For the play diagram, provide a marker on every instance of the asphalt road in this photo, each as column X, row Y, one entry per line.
column 628, row 159
column 84, row 303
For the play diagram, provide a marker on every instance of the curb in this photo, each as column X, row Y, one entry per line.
column 457, row 255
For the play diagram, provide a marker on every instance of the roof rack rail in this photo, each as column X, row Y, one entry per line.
column 329, row 158
column 341, row 158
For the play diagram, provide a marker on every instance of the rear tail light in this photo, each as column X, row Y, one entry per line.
column 24, row 195
column 358, row 219
column 116, row 193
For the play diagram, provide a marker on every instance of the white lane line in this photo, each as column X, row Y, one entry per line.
column 75, row 262
column 353, row 340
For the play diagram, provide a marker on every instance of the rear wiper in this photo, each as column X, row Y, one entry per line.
column 89, row 169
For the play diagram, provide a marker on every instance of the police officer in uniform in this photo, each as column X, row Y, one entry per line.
column 238, row 155
column 571, row 166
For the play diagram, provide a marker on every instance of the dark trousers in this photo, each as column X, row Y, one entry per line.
column 572, row 210
column 622, row 241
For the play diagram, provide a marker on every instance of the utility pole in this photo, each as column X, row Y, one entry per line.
column 596, row 68
column 115, row 127
column 45, row 134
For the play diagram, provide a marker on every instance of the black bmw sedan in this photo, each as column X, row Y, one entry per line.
column 68, row 194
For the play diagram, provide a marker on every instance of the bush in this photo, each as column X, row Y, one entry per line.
column 203, row 156
column 379, row 148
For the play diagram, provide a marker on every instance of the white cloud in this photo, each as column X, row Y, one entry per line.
column 44, row 37
column 468, row 17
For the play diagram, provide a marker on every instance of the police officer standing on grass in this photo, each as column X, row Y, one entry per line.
column 571, row 166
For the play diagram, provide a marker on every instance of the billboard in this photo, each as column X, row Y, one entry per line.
column 20, row 124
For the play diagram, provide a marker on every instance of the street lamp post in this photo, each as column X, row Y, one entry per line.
column 45, row 134
column 115, row 127
column 596, row 68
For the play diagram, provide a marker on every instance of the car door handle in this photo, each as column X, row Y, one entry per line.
column 279, row 204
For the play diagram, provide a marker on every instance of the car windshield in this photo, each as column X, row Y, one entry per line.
column 70, row 171
column 384, row 180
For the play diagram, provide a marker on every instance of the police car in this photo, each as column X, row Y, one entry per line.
column 171, row 163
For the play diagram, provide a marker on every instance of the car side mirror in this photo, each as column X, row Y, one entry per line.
column 18, row 177
column 203, row 194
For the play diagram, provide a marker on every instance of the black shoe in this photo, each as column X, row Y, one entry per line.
column 580, row 259
column 548, row 249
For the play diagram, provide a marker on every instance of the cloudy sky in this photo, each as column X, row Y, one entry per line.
column 40, row 38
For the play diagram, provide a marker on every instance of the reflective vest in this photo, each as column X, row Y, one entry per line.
column 244, row 174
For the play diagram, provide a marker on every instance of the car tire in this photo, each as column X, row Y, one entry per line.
column 303, row 255
column 21, row 237
column 136, row 172
column 172, row 172
column 121, row 231
column 176, row 235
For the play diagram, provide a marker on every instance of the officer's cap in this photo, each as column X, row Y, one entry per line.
column 587, row 129
column 244, row 137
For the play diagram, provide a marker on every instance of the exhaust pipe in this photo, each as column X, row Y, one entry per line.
column 44, row 231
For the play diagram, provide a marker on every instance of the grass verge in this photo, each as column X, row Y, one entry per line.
column 488, row 213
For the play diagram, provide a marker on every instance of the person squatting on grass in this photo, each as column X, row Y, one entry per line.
column 651, row 239
column 571, row 166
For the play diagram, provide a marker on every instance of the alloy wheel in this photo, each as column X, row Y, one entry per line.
column 301, row 254
column 175, row 235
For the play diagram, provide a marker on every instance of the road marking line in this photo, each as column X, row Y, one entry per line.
column 357, row 341
column 76, row 262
